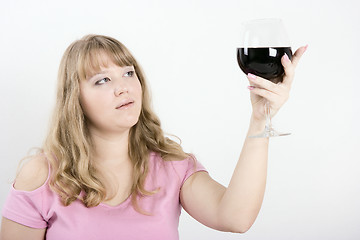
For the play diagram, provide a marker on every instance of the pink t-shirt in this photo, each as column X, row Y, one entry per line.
column 42, row 208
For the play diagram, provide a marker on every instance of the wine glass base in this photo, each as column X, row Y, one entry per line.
column 269, row 133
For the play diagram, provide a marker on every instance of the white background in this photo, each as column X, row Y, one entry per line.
column 187, row 49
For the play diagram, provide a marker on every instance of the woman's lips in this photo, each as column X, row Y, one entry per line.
column 125, row 104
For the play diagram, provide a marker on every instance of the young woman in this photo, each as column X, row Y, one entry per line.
column 106, row 170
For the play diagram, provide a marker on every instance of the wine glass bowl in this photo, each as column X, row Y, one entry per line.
column 263, row 62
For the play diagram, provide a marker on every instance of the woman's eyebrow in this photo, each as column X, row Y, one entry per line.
column 97, row 73
column 101, row 72
column 129, row 67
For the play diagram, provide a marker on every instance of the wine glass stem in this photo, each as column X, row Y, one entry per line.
column 268, row 125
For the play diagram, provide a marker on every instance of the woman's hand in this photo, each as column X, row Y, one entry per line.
column 262, row 90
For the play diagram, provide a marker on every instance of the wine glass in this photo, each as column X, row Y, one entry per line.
column 263, row 43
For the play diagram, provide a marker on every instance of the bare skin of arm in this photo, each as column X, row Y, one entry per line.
column 236, row 207
column 14, row 231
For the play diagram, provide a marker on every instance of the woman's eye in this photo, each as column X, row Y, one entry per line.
column 102, row 81
column 129, row 74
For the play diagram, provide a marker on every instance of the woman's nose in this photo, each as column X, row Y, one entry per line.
column 120, row 87
column 120, row 91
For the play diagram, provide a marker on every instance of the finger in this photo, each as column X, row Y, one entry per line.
column 270, row 96
column 289, row 66
column 289, row 70
column 297, row 55
column 260, row 82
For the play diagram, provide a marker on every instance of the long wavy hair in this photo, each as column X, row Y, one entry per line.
column 69, row 145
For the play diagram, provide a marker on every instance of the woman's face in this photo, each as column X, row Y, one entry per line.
column 111, row 99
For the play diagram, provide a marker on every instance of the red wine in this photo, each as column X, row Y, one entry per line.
column 263, row 62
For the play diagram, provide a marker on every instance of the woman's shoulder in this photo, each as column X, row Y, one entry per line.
column 180, row 168
column 33, row 174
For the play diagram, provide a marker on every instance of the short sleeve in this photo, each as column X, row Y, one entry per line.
column 25, row 207
column 192, row 166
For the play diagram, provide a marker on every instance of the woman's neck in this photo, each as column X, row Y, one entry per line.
column 113, row 164
column 110, row 150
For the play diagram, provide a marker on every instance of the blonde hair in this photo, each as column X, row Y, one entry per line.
column 69, row 145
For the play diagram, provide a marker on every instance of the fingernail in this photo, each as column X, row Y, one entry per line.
column 252, row 76
column 306, row 46
column 250, row 87
column 286, row 57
